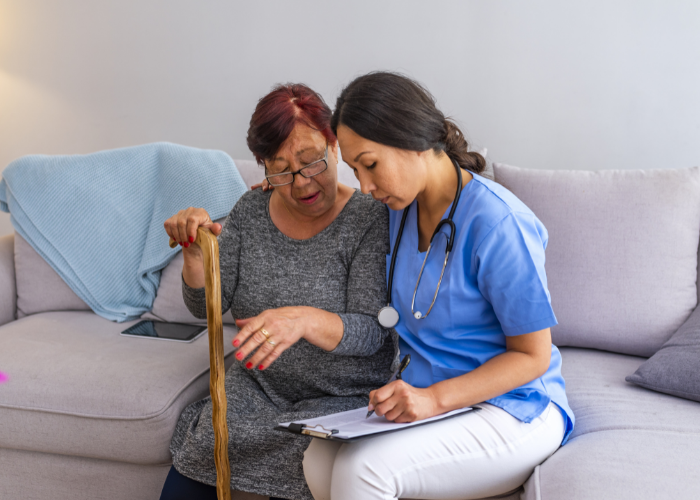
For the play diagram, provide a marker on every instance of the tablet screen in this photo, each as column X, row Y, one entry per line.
column 168, row 331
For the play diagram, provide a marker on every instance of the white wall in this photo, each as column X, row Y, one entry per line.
column 543, row 84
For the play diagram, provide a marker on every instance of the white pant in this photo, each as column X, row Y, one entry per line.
column 475, row 455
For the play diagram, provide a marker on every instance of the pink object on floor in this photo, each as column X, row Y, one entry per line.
column 4, row 377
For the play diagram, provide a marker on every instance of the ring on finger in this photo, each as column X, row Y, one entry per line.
column 266, row 333
column 271, row 342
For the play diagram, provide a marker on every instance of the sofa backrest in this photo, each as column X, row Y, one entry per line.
column 622, row 257
column 8, row 286
column 697, row 279
column 39, row 287
column 251, row 172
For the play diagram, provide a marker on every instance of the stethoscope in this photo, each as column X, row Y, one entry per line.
column 388, row 316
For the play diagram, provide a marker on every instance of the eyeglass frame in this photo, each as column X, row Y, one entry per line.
column 324, row 159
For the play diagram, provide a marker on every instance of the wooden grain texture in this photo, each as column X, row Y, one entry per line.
column 212, row 287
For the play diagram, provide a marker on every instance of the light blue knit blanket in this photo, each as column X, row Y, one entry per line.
column 97, row 219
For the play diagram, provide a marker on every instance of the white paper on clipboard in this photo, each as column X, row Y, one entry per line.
column 352, row 424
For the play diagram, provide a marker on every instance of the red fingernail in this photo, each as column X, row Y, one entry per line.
column 239, row 355
column 236, row 343
column 249, row 365
column 191, row 239
column 260, row 367
column 187, row 245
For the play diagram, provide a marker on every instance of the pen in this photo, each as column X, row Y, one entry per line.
column 396, row 375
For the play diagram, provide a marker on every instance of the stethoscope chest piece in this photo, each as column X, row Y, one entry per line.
column 388, row 317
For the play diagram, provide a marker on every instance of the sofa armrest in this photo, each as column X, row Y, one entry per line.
column 8, row 284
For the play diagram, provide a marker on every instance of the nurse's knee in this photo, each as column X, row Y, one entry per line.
column 359, row 466
column 318, row 467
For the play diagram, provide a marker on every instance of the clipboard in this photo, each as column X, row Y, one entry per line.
column 314, row 426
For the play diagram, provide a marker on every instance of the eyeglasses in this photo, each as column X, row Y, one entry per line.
column 310, row 170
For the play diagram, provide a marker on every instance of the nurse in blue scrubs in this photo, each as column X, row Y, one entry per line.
column 484, row 340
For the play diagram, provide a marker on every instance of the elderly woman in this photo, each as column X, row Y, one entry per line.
column 303, row 271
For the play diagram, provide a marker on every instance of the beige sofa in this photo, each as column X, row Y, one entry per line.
column 88, row 414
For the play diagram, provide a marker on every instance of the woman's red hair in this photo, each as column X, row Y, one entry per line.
column 279, row 111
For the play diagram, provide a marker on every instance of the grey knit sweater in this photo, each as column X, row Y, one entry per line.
column 342, row 270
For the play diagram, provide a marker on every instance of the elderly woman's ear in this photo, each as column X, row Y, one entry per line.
column 333, row 150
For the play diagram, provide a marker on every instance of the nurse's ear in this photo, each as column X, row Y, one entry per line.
column 422, row 159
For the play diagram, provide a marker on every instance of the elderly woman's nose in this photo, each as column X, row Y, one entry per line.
column 301, row 181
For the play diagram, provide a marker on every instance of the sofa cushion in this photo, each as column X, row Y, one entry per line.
column 39, row 287
column 31, row 475
column 627, row 442
column 675, row 368
column 169, row 304
column 619, row 465
column 78, row 387
column 602, row 400
column 28, row 475
column 622, row 253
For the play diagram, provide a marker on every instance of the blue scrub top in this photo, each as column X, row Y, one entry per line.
column 494, row 286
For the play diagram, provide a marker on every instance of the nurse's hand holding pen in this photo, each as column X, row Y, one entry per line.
column 401, row 402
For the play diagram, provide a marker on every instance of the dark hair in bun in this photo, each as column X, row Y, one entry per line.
column 394, row 110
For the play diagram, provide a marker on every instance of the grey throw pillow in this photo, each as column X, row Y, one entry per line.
column 675, row 368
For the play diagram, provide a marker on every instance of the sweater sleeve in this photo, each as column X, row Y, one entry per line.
column 229, row 255
column 366, row 292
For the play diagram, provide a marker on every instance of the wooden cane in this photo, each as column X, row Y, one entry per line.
column 212, row 288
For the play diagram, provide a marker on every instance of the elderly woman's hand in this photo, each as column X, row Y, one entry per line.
column 182, row 227
column 267, row 335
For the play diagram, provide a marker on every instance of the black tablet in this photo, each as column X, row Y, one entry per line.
column 179, row 332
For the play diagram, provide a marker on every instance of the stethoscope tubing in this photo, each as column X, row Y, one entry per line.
column 393, row 257
column 419, row 315
column 448, row 249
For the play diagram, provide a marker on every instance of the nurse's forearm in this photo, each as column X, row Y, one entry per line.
column 499, row 375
